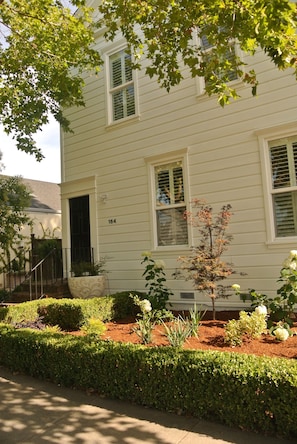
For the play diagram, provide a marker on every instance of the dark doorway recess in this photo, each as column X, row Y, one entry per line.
column 80, row 229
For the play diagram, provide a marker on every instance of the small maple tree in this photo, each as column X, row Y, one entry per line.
column 204, row 265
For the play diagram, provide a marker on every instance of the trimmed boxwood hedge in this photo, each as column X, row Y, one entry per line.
column 71, row 314
column 250, row 392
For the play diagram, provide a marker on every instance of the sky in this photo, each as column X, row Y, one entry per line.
column 18, row 163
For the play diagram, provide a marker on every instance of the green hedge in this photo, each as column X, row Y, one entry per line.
column 250, row 392
column 71, row 314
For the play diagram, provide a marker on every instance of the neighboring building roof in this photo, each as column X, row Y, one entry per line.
column 45, row 195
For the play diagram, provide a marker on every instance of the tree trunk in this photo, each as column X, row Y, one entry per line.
column 213, row 308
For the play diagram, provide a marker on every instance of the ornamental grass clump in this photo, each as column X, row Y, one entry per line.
column 194, row 321
column 177, row 332
column 204, row 266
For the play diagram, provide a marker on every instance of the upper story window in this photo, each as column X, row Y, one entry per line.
column 171, row 226
column 121, row 86
column 211, row 58
column 283, row 167
column 229, row 57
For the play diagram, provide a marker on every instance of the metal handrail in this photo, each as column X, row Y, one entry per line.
column 37, row 277
column 34, row 270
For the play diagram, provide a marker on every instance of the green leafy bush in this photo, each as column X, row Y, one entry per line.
column 281, row 308
column 94, row 327
column 67, row 316
column 155, row 277
column 26, row 311
column 123, row 304
column 251, row 325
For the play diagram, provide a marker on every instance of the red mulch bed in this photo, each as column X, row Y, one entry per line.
column 211, row 337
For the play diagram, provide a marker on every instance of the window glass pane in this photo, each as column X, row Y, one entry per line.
column 116, row 72
column 205, row 43
column 163, row 188
column 294, row 145
column 128, row 68
column 172, row 227
column 130, row 100
column 230, row 56
column 280, row 166
column 178, row 184
column 117, row 105
column 285, row 214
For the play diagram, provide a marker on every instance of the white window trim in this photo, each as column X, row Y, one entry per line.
column 110, row 122
column 158, row 160
column 264, row 137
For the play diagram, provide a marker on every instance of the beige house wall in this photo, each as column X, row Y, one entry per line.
column 224, row 152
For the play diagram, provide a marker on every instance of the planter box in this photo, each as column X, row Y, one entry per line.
column 85, row 287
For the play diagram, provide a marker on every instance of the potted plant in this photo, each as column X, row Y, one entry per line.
column 87, row 279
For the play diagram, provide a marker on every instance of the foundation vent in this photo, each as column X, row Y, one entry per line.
column 186, row 295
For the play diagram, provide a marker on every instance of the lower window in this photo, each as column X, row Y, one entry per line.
column 171, row 226
column 283, row 162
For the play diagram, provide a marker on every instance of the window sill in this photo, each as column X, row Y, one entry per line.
column 281, row 242
column 122, row 122
column 170, row 248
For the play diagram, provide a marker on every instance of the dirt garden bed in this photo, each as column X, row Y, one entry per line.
column 211, row 337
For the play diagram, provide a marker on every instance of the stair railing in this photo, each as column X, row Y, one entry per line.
column 37, row 276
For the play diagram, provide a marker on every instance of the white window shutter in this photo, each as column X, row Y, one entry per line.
column 283, row 161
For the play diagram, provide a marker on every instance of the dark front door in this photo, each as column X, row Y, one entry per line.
column 80, row 229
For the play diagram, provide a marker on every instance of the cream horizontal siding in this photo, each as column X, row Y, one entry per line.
column 224, row 167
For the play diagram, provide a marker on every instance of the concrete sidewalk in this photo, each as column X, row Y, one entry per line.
column 39, row 412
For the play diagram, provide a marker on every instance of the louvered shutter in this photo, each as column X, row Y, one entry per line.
column 283, row 158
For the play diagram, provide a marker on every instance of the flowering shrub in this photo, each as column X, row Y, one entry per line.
column 145, row 322
column 94, row 327
column 249, row 325
column 204, row 265
column 281, row 307
column 158, row 292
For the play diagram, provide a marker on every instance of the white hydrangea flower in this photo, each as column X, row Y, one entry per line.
column 261, row 309
column 236, row 287
column 146, row 305
column 146, row 253
column 293, row 254
column 281, row 333
column 159, row 263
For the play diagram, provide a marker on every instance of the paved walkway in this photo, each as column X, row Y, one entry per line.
column 39, row 412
